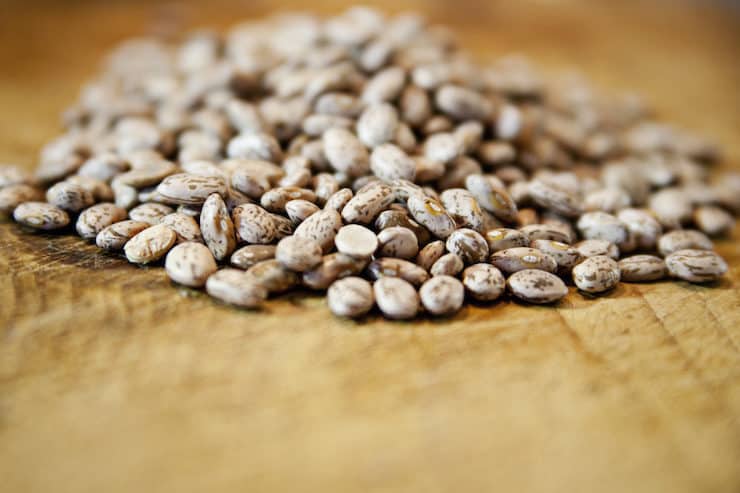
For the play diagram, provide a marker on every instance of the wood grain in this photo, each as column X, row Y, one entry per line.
column 112, row 379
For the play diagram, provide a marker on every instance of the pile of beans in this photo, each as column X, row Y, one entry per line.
column 372, row 158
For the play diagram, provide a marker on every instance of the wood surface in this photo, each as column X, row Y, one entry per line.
column 114, row 380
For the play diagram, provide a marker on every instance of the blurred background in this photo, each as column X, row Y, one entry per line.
column 682, row 55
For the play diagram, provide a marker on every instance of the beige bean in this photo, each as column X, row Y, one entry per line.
column 217, row 227
column 565, row 255
column 469, row 245
column 298, row 210
column 391, row 218
column 356, row 241
column 248, row 255
column 396, row 267
column 398, row 242
column 339, row 199
column 442, row 295
column 483, row 282
column 683, row 239
column 596, row 274
column 430, row 254
column 503, row 238
column 94, row 219
column 396, row 298
column 603, row 226
column 367, row 203
column 643, row 225
column 385, row 86
column 184, row 226
column 377, row 124
column 150, row 213
column 150, row 245
column 642, row 268
column 592, row 248
column 696, row 265
column 255, row 146
column 389, row 162
column 190, row 189
column 463, row 207
column 430, row 213
column 461, row 103
column 671, row 206
column 234, row 287
column 253, row 224
column 607, row 200
column 536, row 286
column 148, row 174
column 443, row 147
column 190, row 264
column 551, row 232
column 449, row 264
column 554, row 198
column 298, row 254
column 345, row 152
column 322, row 227
column 712, row 220
column 115, row 236
column 40, row 215
column 69, row 197
column 14, row 194
column 273, row 276
column 492, row 196
column 350, row 297
column 274, row 200
column 333, row 266
column 513, row 260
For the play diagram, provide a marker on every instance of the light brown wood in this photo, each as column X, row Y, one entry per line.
column 111, row 379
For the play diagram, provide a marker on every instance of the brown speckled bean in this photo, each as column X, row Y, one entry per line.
column 512, row 260
column 469, row 245
column 322, row 227
column 596, row 274
column 217, row 227
column 356, row 241
column 442, row 295
column 397, row 242
column 536, row 286
column 683, row 239
column 483, row 282
column 190, row 189
column 367, row 203
column 430, row 213
column 502, row 238
column 69, row 197
column 273, row 276
column 247, row 256
column 298, row 254
column 350, row 297
column 150, row 245
column 253, row 224
column 696, row 265
column 184, row 226
column 449, row 264
column 396, row 298
column 430, row 254
column 642, row 268
column 234, row 287
column 190, row 264
column 115, row 236
column 40, row 215
column 94, row 219
column 151, row 213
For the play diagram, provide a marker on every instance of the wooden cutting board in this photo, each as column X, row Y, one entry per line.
column 112, row 379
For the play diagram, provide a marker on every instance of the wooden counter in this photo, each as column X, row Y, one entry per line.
column 113, row 380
